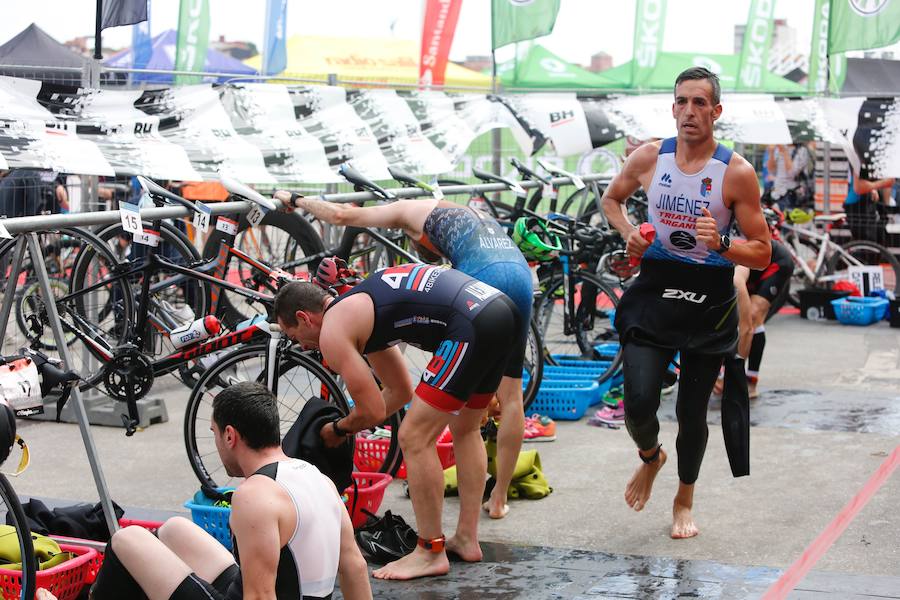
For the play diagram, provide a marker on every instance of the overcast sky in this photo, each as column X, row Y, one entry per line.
column 583, row 27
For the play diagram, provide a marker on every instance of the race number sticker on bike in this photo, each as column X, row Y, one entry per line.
column 4, row 234
column 201, row 217
column 256, row 215
column 148, row 237
column 227, row 225
column 130, row 215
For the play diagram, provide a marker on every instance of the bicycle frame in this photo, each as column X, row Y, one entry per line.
column 826, row 245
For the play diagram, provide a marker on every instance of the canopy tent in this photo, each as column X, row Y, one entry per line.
column 872, row 77
column 540, row 68
column 670, row 64
column 364, row 59
column 33, row 48
column 163, row 59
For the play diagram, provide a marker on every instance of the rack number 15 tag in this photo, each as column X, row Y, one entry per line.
column 131, row 217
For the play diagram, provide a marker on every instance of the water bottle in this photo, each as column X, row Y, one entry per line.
column 197, row 331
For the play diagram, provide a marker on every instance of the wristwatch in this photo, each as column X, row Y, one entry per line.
column 724, row 244
column 337, row 430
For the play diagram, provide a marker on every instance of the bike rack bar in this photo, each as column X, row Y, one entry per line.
column 49, row 222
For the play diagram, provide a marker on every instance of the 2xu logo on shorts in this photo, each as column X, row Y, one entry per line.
column 673, row 294
column 683, row 240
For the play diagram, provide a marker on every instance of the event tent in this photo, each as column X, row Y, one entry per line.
column 163, row 59
column 31, row 49
column 670, row 64
column 381, row 60
column 540, row 68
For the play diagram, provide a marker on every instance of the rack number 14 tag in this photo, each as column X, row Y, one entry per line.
column 201, row 217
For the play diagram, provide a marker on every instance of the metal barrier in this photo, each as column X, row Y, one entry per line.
column 26, row 228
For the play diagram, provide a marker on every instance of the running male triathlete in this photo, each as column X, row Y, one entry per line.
column 467, row 324
column 477, row 245
column 287, row 521
column 684, row 298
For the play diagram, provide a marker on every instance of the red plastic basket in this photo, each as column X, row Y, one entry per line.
column 64, row 581
column 370, row 488
column 97, row 562
column 370, row 454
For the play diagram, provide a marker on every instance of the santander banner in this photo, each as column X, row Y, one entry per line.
column 437, row 36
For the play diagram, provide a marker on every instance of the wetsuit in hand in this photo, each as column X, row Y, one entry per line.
column 683, row 300
column 465, row 322
column 478, row 246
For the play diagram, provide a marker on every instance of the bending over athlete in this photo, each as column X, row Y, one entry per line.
column 477, row 245
column 292, row 535
column 684, row 298
column 466, row 323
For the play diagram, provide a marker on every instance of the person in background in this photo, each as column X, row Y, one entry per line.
column 862, row 204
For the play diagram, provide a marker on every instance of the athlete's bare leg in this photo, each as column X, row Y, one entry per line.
column 418, row 435
column 509, row 443
column 639, row 487
column 471, row 467
column 682, row 520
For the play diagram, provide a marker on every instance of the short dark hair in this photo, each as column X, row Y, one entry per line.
column 252, row 410
column 695, row 73
column 298, row 295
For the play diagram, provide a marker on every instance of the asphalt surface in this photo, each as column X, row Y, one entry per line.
column 828, row 417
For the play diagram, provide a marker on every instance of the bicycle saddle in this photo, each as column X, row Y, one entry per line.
column 362, row 183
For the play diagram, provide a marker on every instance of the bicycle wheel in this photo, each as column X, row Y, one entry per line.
column 280, row 238
column 76, row 260
column 299, row 378
column 172, row 306
column 865, row 253
column 12, row 514
column 591, row 324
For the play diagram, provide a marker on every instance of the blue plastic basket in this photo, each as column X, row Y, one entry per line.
column 607, row 351
column 213, row 519
column 567, row 401
column 859, row 311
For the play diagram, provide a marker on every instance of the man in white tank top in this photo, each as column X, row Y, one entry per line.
column 683, row 299
column 292, row 535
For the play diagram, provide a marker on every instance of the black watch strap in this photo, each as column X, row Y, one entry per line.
column 724, row 244
column 294, row 196
column 338, row 430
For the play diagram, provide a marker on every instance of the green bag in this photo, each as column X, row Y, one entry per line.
column 46, row 550
column 528, row 479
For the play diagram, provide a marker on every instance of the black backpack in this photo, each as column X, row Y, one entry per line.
column 304, row 442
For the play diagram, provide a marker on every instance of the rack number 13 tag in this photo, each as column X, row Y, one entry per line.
column 131, row 217
column 256, row 215
column 201, row 217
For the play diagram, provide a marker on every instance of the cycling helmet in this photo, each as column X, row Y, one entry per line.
column 799, row 216
column 534, row 239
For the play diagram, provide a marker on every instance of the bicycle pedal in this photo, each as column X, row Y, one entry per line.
column 131, row 425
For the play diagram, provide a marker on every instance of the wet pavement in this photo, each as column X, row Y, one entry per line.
column 512, row 572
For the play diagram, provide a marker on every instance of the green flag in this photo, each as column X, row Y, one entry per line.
column 817, row 79
column 649, row 26
column 754, row 60
column 837, row 72
column 863, row 24
column 519, row 20
column 193, row 38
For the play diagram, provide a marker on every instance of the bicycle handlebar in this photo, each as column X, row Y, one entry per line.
column 526, row 172
column 360, row 181
column 512, row 185
column 246, row 192
column 577, row 181
column 156, row 190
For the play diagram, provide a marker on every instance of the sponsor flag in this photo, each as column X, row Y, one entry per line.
column 755, row 53
column 438, row 27
column 275, row 44
column 649, row 27
column 863, row 24
column 520, row 20
column 817, row 80
column 193, row 39
column 123, row 12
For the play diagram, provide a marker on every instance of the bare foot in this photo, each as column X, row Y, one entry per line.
column 637, row 492
column 753, row 392
column 418, row 563
column 467, row 551
column 495, row 510
column 682, row 522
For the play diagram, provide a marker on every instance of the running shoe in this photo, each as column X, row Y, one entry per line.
column 614, row 396
column 612, row 416
column 539, row 429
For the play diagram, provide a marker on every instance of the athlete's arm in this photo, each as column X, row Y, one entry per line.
column 396, row 384
column 408, row 215
column 638, row 166
column 745, row 311
column 255, row 508
column 740, row 192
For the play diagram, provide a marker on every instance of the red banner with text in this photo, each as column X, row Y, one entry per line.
column 437, row 36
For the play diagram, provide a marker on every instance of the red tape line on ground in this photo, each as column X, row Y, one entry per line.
column 797, row 571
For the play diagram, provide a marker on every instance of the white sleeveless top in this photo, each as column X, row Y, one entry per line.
column 676, row 199
column 309, row 560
